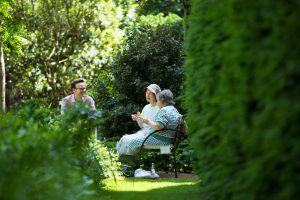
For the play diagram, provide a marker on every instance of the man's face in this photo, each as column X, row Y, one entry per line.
column 80, row 89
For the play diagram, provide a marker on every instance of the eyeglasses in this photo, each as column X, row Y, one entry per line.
column 80, row 88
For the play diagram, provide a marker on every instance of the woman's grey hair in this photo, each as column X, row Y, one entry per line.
column 166, row 97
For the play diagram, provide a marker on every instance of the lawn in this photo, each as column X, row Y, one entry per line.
column 132, row 188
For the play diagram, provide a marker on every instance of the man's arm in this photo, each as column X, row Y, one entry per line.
column 91, row 102
column 63, row 105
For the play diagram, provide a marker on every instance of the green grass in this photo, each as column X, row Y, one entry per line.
column 145, row 189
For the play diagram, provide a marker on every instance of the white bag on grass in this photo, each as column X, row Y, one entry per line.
column 140, row 173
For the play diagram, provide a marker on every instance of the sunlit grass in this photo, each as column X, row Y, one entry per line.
column 132, row 188
column 133, row 184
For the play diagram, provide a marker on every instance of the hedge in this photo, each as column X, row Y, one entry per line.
column 242, row 93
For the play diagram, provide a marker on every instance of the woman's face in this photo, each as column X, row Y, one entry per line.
column 150, row 97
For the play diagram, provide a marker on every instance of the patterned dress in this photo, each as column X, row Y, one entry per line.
column 168, row 117
column 123, row 144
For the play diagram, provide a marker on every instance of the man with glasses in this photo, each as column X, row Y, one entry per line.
column 78, row 87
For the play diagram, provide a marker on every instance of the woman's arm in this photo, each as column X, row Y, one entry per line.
column 153, row 124
column 137, row 119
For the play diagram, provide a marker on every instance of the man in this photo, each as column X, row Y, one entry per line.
column 78, row 87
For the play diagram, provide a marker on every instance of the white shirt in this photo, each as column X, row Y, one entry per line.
column 149, row 112
column 65, row 102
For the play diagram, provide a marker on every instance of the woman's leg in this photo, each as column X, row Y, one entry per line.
column 129, row 144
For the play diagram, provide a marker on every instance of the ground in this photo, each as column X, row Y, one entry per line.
column 172, row 175
column 153, row 189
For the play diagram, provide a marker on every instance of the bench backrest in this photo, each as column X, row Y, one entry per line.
column 181, row 131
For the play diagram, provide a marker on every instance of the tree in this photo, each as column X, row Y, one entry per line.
column 2, row 77
column 151, row 53
column 147, row 7
column 69, row 39
column 3, row 14
column 11, row 41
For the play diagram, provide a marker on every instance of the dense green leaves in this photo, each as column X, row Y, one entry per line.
column 148, row 7
column 44, row 156
column 241, row 98
column 117, row 51
column 150, row 54
column 68, row 39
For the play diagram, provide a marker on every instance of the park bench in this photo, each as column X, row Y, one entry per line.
column 170, row 149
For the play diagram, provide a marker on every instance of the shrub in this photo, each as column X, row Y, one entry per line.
column 36, row 163
column 151, row 54
column 44, row 159
column 242, row 79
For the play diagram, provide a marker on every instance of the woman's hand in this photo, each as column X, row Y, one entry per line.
column 153, row 124
column 143, row 119
column 134, row 117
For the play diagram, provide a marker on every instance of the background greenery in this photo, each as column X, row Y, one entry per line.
column 151, row 53
column 242, row 80
column 52, row 157
column 119, row 52
column 240, row 91
column 46, row 44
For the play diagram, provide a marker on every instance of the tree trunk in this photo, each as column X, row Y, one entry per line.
column 2, row 79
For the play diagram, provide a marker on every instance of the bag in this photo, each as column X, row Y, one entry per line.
column 140, row 173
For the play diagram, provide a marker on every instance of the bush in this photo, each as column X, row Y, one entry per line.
column 160, row 6
column 151, row 54
column 242, row 75
column 44, row 159
column 36, row 163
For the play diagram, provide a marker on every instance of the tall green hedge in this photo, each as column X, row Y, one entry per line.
column 242, row 79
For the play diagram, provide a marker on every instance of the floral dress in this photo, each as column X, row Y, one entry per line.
column 168, row 117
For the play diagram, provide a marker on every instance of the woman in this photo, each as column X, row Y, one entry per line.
column 167, row 117
column 149, row 111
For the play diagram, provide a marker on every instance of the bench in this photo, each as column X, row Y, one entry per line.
column 170, row 149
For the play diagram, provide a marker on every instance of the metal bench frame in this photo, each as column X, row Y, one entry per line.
column 180, row 132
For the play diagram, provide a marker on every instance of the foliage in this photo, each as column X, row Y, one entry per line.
column 39, row 163
column 11, row 29
column 148, row 7
column 68, row 39
column 159, row 20
column 242, row 75
column 46, row 158
column 10, row 41
column 103, row 163
column 151, row 54
column 164, row 162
